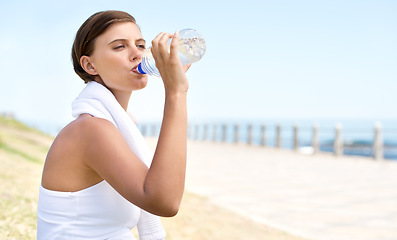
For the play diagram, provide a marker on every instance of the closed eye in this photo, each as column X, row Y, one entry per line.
column 119, row 47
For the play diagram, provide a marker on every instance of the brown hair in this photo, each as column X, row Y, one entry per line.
column 85, row 37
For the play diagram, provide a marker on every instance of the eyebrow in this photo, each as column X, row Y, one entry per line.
column 125, row 40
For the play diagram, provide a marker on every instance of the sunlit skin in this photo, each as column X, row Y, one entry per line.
column 117, row 53
column 90, row 149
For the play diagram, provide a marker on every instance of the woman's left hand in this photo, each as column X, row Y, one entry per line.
column 170, row 67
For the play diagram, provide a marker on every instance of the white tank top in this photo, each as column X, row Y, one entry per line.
column 97, row 212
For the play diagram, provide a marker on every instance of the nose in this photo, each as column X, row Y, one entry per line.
column 135, row 54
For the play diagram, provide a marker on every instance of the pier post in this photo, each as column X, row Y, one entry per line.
column 278, row 136
column 263, row 135
column 296, row 141
column 249, row 134
column 224, row 132
column 338, row 142
column 196, row 132
column 189, row 131
column 153, row 130
column 315, row 142
column 378, row 142
column 236, row 137
column 215, row 132
column 205, row 132
column 143, row 130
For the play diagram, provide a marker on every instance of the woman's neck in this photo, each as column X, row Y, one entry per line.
column 123, row 97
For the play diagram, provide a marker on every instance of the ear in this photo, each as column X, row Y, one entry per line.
column 88, row 66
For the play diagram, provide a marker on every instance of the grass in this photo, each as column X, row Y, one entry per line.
column 22, row 151
column 22, row 154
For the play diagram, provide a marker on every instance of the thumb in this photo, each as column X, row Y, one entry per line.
column 186, row 67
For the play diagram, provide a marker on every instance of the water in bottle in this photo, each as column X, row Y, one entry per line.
column 191, row 48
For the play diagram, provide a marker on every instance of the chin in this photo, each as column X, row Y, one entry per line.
column 141, row 83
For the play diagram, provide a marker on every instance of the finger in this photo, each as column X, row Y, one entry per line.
column 174, row 45
column 163, row 46
column 155, row 43
column 186, row 67
column 155, row 47
column 156, row 40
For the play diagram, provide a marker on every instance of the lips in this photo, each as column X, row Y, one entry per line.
column 134, row 69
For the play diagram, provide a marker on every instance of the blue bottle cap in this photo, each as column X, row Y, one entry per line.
column 140, row 70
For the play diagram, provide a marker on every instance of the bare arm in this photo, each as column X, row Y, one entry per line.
column 167, row 173
column 158, row 189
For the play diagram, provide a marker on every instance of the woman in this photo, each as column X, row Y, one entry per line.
column 99, row 180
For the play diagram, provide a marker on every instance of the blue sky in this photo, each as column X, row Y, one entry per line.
column 265, row 59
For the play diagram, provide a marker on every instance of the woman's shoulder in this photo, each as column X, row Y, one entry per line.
column 87, row 128
column 77, row 143
column 86, row 124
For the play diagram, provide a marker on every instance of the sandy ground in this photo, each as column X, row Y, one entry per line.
column 315, row 196
column 22, row 153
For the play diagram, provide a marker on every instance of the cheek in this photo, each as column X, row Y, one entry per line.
column 111, row 61
column 108, row 65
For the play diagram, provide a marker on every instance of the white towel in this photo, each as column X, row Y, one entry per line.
column 98, row 101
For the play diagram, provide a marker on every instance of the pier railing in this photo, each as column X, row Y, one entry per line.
column 308, row 140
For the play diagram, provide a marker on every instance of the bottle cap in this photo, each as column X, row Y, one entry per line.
column 139, row 69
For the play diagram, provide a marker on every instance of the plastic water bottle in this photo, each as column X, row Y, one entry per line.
column 191, row 48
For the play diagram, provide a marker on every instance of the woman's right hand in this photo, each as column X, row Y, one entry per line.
column 168, row 63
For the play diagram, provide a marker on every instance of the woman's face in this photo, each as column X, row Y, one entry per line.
column 117, row 53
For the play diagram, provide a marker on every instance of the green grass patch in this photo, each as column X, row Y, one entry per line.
column 9, row 149
column 13, row 123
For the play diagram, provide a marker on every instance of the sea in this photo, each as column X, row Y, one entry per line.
column 357, row 134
